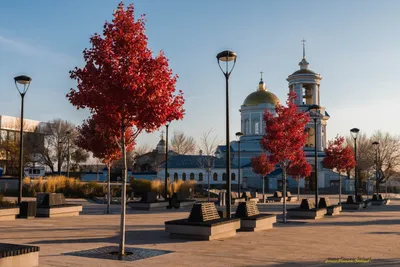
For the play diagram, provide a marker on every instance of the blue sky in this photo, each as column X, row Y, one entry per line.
column 354, row 45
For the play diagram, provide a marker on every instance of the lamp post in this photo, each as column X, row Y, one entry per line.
column 227, row 56
column 315, row 115
column 24, row 81
column 354, row 133
column 68, row 154
column 238, row 135
column 376, row 146
column 166, row 162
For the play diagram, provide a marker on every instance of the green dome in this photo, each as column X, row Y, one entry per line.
column 261, row 97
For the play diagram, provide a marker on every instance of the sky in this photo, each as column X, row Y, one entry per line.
column 354, row 45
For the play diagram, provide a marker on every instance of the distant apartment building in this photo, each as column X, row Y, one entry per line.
column 34, row 138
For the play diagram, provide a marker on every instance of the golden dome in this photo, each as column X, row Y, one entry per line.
column 261, row 96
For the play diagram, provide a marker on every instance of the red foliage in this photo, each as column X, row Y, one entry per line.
column 338, row 156
column 261, row 165
column 285, row 137
column 101, row 139
column 300, row 170
column 123, row 80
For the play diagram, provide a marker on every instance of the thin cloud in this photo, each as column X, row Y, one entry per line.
column 31, row 50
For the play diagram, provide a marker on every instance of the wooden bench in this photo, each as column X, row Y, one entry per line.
column 351, row 204
column 333, row 210
column 307, row 210
column 288, row 196
column 236, row 199
column 277, row 197
column 378, row 200
column 204, row 223
column 248, row 197
column 51, row 205
column 12, row 255
column 148, row 201
column 251, row 219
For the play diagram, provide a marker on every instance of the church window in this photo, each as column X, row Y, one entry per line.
column 200, row 176
column 246, row 126
column 233, row 176
column 191, row 176
column 183, row 176
column 175, row 177
column 215, row 177
column 224, row 177
column 256, row 127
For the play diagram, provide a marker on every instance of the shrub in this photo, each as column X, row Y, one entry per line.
column 141, row 186
column 5, row 203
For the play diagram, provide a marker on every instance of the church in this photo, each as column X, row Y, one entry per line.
column 306, row 84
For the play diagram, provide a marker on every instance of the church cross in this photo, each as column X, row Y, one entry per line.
column 261, row 74
column 162, row 134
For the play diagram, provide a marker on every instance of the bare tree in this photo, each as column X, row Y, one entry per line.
column 208, row 145
column 182, row 144
column 141, row 150
column 388, row 154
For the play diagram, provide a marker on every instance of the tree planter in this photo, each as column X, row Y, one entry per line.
column 147, row 206
column 251, row 219
column 298, row 213
column 8, row 213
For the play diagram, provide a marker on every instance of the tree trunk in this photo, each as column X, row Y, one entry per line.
column 123, row 194
column 263, row 191
column 108, row 188
column 284, row 193
column 298, row 189
column 340, row 190
column 208, row 192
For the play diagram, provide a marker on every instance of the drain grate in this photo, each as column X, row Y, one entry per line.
column 109, row 253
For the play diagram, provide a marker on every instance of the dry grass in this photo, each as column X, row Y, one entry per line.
column 70, row 187
column 142, row 185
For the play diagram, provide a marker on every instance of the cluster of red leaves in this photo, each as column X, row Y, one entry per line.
column 261, row 165
column 285, row 138
column 339, row 156
column 123, row 81
column 101, row 139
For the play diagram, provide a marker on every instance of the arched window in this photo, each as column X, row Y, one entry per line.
column 256, row 127
column 200, row 177
column 191, row 176
column 215, row 177
column 224, row 177
column 246, row 126
column 233, row 176
column 183, row 176
column 175, row 177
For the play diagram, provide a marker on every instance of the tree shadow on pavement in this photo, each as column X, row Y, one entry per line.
column 135, row 237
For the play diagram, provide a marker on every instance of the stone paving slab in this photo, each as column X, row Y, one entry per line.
column 369, row 233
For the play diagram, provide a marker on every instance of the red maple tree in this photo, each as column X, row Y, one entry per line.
column 123, row 81
column 262, row 167
column 284, row 138
column 101, row 140
column 339, row 157
column 298, row 171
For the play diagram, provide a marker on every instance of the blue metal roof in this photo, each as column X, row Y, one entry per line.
column 223, row 148
column 193, row 161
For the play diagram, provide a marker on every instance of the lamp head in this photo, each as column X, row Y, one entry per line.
column 238, row 135
column 354, row 132
column 22, row 80
column 226, row 56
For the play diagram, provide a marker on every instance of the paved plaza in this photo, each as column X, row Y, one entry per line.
column 372, row 233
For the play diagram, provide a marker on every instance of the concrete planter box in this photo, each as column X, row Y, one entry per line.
column 298, row 213
column 18, row 255
column 210, row 230
column 8, row 214
column 148, row 206
column 59, row 211
column 274, row 199
column 367, row 204
column 333, row 210
column 354, row 206
column 257, row 223
column 382, row 202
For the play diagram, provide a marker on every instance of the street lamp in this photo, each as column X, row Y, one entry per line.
column 238, row 135
column 315, row 114
column 227, row 56
column 354, row 133
column 24, row 82
column 166, row 162
column 376, row 146
column 68, row 155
